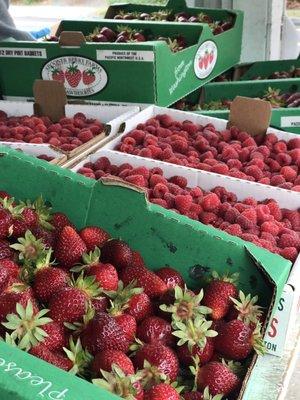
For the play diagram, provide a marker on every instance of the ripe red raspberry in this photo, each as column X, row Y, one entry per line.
column 160, row 190
column 179, row 180
column 294, row 144
column 273, row 165
column 284, row 159
column 145, row 153
column 277, row 180
column 265, row 181
column 166, row 154
column 231, row 215
column 268, row 236
column 266, row 244
column 296, row 188
column 224, row 207
column 256, row 155
column 244, row 154
column 250, row 142
column 183, row 203
column 286, row 185
column 237, row 174
column 137, row 180
column 288, row 173
column 211, row 161
column 141, row 171
column 271, row 138
column 164, row 120
column 295, row 154
column 255, row 171
column 241, row 207
column 249, row 237
column 174, row 189
column 157, row 171
column 196, row 192
column 228, row 153
column 210, row 202
column 287, row 240
column 294, row 218
column 258, row 162
column 280, row 147
column 264, row 150
column 155, row 179
column 190, row 128
column 244, row 222
column 270, row 227
column 102, row 163
column 289, row 253
column 250, row 214
column 99, row 174
column 274, row 210
column 159, row 202
column 250, row 201
column 196, row 208
column 220, row 168
column 263, row 213
column 208, row 218
column 85, row 135
column 234, row 163
column 234, row 230
column 170, row 199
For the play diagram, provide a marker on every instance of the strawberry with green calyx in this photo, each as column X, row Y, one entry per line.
column 155, row 329
column 171, row 277
column 30, row 249
column 106, row 358
column 273, row 97
column 245, row 309
column 195, row 339
column 69, row 304
column 162, row 391
column 161, row 15
column 121, row 297
column 151, row 375
column 54, row 358
column 219, row 293
column 195, row 395
column 59, row 220
column 73, row 75
column 5, row 223
column 93, row 236
column 18, row 225
column 236, row 340
column 186, row 306
column 116, row 252
column 26, row 326
column 105, row 274
column 69, row 247
column 78, row 326
column 42, row 210
column 88, row 76
column 80, row 358
column 126, row 386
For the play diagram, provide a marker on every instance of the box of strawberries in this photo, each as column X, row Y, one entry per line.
column 215, row 100
column 105, row 294
column 124, row 61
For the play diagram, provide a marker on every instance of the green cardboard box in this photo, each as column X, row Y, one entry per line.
column 160, row 235
column 287, row 119
column 140, row 73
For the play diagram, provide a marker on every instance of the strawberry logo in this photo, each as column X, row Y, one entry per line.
column 206, row 60
column 73, row 75
column 88, row 76
column 201, row 62
column 58, row 75
column 211, row 57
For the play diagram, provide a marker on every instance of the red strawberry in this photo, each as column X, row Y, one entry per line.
column 162, row 391
column 12, row 268
column 105, row 274
column 94, row 237
column 193, row 396
column 139, row 306
column 154, row 330
column 48, row 281
column 117, row 252
column 128, row 324
column 170, row 276
column 159, row 356
column 30, row 217
column 48, row 237
column 218, row 377
column 5, row 223
column 205, row 353
column 59, row 221
column 103, row 333
column 68, row 305
column 88, row 76
column 4, row 279
column 70, row 247
column 56, row 338
column 236, row 340
column 5, row 250
column 58, row 75
column 73, row 75
column 153, row 285
column 106, row 358
column 218, row 295
column 57, row 359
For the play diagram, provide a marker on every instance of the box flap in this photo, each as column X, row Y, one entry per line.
column 50, row 99
column 250, row 115
column 71, row 38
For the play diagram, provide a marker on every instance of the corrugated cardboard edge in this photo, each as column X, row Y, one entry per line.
column 250, row 115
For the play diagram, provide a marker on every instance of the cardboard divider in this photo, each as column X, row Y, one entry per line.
column 71, row 38
column 50, row 99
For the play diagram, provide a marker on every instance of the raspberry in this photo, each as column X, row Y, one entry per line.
column 255, row 171
column 288, row 173
column 170, row 199
column 224, row 207
column 190, row 128
column 196, row 208
column 258, row 162
column 85, row 135
column 206, row 155
column 249, row 237
column 183, row 202
column 268, row 236
column 160, row 202
column 211, row 161
column 296, row 188
column 244, row 222
column 145, row 153
column 164, row 120
column 234, row 230
column 124, row 166
column 244, row 154
column 179, row 181
column 196, row 192
column 277, row 180
column 157, row 171
column 249, row 142
column 174, row 189
column 210, row 202
column 160, row 190
column 287, row 240
column 241, row 207
column 289, row 253
column 155, row 179
column 233, row 163
column 270, row 227
column 250, row 201
column 295, row 154
column 280, row 147
column 228, row 153
column 137, row 180
column 250, row 214
column 294, row 218
column 266, row 244
column 166, row 154
column 102, row 163
column 263, row 213
column 225, row 135
column 138, row 135
column 271, row 138
column 237, row 174
column 284, row 159
column 265, row 181
column 208, row 218
column 286, row 185
column 219, row 191
column 294, row 144
column 264, row 150
column 256, row 155
column 231, row 215
column 273, row 165
column 220, row 168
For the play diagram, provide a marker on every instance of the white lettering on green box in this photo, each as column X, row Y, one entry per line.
column 81, row 76
column 205, row 59
column 290, row 122
column 125, row 55
column 23, row 52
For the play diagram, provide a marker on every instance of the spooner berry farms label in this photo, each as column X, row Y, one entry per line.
column 205, row 59
column 80, row 76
